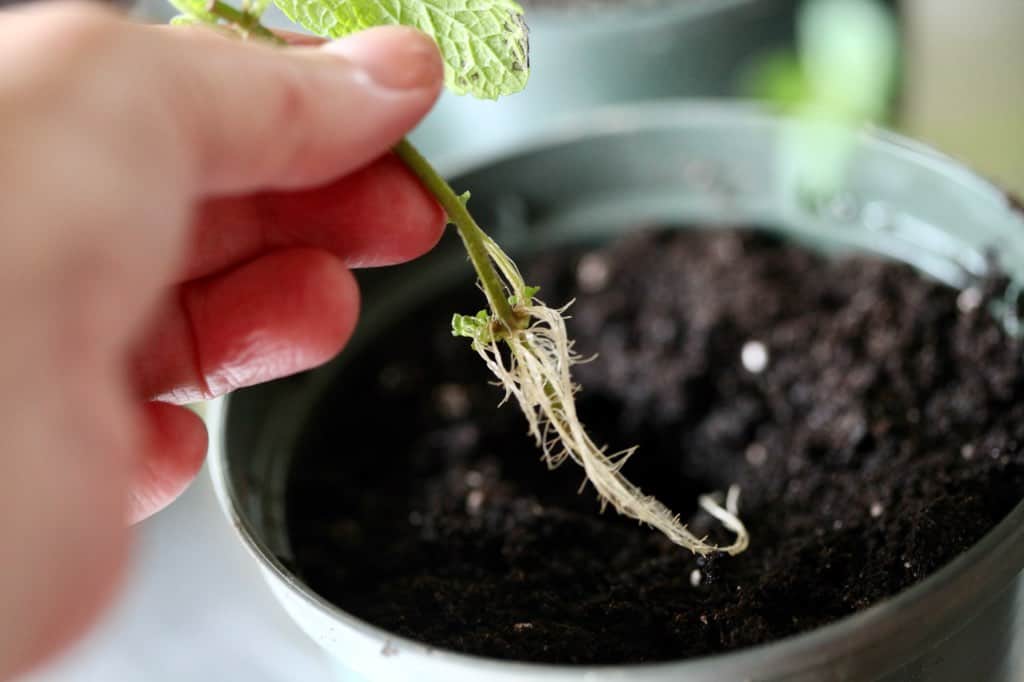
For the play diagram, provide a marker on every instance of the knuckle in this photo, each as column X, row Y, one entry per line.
column 61, row 46
column 77, row 30
column 290, row 100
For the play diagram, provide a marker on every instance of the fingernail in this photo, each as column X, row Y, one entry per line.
column 396, row 58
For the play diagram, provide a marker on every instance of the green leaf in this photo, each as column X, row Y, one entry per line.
column 198, row 10
column 471, row 326
column 849, row 50
column 484, row 43
column 778, row 78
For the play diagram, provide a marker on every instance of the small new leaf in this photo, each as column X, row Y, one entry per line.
column 484, row 43
column 255, row 8
column 472, row 326
column 530, row 293
column 197, row 10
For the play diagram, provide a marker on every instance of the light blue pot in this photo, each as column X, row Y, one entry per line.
column 701, row 164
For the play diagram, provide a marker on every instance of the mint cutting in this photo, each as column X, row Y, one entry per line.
column 522, row 341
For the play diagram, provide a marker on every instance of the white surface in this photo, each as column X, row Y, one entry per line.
column 195, row 608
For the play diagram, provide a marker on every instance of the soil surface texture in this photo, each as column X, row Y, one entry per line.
column 873, row 420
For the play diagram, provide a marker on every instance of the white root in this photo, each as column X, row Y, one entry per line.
column 536, row 372
column 728, row 516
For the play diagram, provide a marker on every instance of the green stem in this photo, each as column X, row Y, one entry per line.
column 245, row 22
column 471, row 234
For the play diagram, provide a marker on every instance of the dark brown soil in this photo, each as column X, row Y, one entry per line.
column 882, row 436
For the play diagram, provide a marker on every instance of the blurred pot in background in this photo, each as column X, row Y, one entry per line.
column 587, row 53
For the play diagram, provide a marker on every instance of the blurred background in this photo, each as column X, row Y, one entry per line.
column 947, row 72
column 964, row 85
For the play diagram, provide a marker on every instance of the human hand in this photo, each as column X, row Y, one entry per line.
column 180, row 211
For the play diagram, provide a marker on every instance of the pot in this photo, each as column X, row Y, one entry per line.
column 696, row 162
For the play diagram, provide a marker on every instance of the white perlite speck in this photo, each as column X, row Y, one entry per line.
column 969, row 300
column 452, row 401
column 592, row 273
column 754, row 356
column 474, row 501
column 756, row 454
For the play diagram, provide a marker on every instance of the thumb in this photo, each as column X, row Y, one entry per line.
column 259, row 117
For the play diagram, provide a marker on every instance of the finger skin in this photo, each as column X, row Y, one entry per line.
column 115, row 135
column 172, row 456
column 63, row 482
column 300, row 39
column 259, row 120
column 379, row 215
column 224, row 118
column 282, row 313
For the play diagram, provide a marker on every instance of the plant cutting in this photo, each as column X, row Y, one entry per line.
column 522, row 341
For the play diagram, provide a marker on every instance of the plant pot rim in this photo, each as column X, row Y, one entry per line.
column 673, row 113
column 963, row 583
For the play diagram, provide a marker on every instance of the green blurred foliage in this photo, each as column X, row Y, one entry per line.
column 840, row 77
